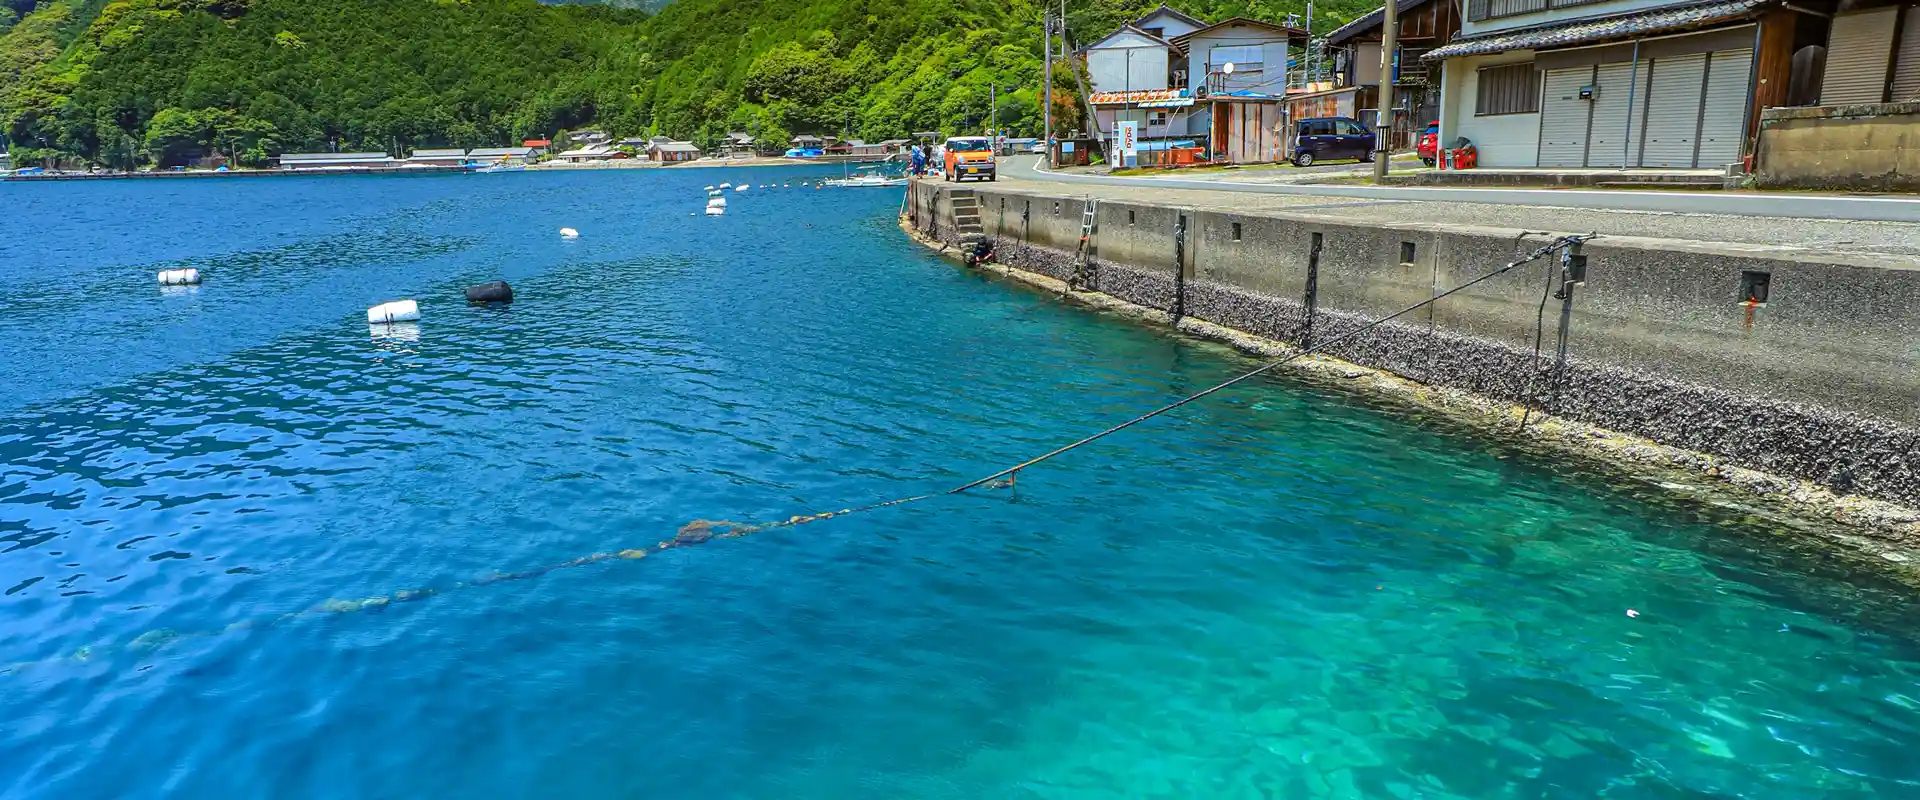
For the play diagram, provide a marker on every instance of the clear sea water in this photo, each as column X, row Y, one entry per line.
column 1278, row 593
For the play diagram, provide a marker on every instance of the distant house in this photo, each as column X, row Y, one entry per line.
column 6, row 161
column 1239, row 68
column 860, row 149
column 450, row 157
column 508, row 155
column 321, row 161
column 739, row 144
column 590, row 137
column 673, row 152
column 592, row 152
column 807, row 141
column 636, row 142
column 892, row 146
column 540, row 147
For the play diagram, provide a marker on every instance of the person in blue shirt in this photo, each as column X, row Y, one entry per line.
column 919, row 160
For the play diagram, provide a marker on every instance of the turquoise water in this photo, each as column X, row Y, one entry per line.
column 1276, row 593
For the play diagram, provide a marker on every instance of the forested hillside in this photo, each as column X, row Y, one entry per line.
column 128, row 81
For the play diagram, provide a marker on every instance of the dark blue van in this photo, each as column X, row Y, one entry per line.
column 1326, row 138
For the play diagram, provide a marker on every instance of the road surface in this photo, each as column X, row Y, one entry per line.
column 1825, row 223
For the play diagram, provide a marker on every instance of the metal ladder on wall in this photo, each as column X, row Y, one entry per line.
column 1083, row 257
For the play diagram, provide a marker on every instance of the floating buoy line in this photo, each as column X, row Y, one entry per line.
column 702, row 531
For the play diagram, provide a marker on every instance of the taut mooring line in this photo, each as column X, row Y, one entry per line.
column 701, row 531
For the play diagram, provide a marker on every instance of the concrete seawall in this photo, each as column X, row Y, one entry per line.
column 1819, row 383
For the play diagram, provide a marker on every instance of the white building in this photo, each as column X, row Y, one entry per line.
column 1137, row 73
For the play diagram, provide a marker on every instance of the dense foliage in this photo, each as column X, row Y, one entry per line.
column 123, row 82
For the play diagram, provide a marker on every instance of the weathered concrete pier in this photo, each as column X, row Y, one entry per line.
column 1791, row 362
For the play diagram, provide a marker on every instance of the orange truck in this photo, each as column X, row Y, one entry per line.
column 970, row 157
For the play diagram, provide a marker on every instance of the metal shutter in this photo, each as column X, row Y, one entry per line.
column 1673, row 111
column 1857, row 51
column 1616, row 114
column 1563, row 118
column 1723, row 117
column 1906, row 62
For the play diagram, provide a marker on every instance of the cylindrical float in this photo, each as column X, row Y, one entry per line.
column 179, row 277
column 741, row 188
column 569, row 233
column 717, row 202
column 490, row 292
column 396, row 311
column 714, row 211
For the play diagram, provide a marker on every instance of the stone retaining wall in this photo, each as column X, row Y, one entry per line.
column 1822, row 382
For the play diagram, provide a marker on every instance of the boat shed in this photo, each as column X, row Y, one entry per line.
column 508, row 155
column 304, row 161
column 449, row 157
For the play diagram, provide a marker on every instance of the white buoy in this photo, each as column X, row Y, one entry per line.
column 717, row 202
column 396, row 311
column 786, row 186
column 714, row 211
column 741, row 188
column 709, row 187
column 179, row 277
column 726, row 186
column 569, row 233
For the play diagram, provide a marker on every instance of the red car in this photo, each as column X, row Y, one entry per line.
column 1429, row 146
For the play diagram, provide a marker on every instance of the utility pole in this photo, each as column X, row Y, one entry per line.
column 1046, row 109
column 1383, row 121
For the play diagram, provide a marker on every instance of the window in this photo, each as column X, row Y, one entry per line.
column 1157, row 33
column 1350, row 128
column 1509, row 89
column 1244, row 58
column 1316, row 127
column 1156, row 118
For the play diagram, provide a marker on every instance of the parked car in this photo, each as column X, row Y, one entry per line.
column 969, row 157
column 1429, row 146
column 1325, row 138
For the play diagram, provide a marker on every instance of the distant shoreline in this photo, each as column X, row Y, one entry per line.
column 631, row 163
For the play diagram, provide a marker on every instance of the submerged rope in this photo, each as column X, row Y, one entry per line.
column 701, row 531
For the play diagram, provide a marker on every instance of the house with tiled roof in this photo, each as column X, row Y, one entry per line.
column 1618, row 83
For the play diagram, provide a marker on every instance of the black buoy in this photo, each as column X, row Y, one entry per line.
column 493, row 292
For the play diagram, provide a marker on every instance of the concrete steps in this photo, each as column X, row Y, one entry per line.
column 966, row 214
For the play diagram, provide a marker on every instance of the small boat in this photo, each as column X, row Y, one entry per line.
column 741, row 188
column 726, row 186
column 714, row 211
column 717, row 202
column 867, row 177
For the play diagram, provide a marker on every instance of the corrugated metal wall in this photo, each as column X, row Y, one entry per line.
column 1723, row 121
column 1858, row 52
column 1616, row 113
column 1673, row 111
column 1564, row 117
column 1906, row 63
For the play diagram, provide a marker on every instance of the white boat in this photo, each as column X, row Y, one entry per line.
column 741, row 188
column 503, row 168
column 865, row 180
column 714, row 211
column 717, row 202
column 726, row 186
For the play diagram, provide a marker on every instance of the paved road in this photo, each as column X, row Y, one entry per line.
column 1552, row 212
column 1739, row 204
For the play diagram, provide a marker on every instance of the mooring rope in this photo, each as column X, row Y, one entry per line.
column 701, row 531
